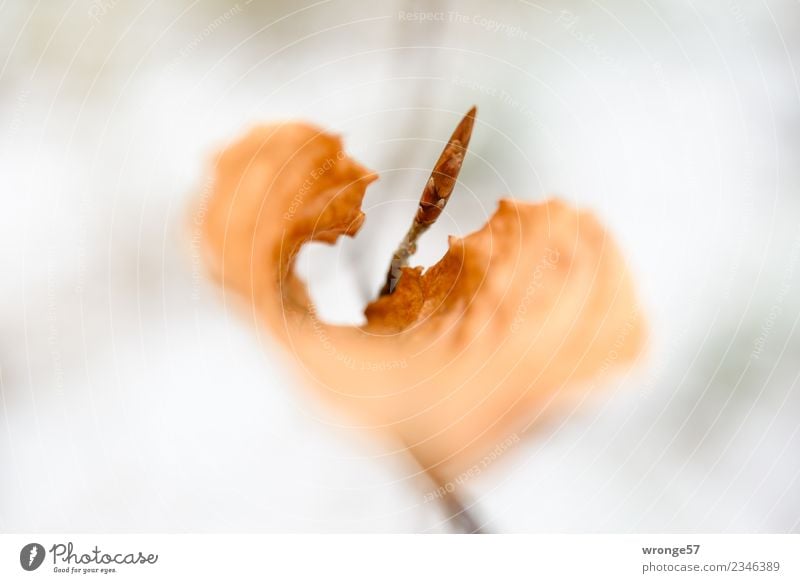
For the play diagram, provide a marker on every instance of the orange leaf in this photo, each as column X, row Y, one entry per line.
column 462, row 356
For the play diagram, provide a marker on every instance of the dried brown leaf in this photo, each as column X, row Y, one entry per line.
column 515, row 319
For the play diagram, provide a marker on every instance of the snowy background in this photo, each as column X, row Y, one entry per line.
column 133, row 399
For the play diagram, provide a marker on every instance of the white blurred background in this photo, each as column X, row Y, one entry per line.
column 134, row 399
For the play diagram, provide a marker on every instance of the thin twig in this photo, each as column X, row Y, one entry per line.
column 460, row 516
column 434, row 197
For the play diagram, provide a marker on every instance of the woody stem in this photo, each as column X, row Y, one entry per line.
column 434, row 197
